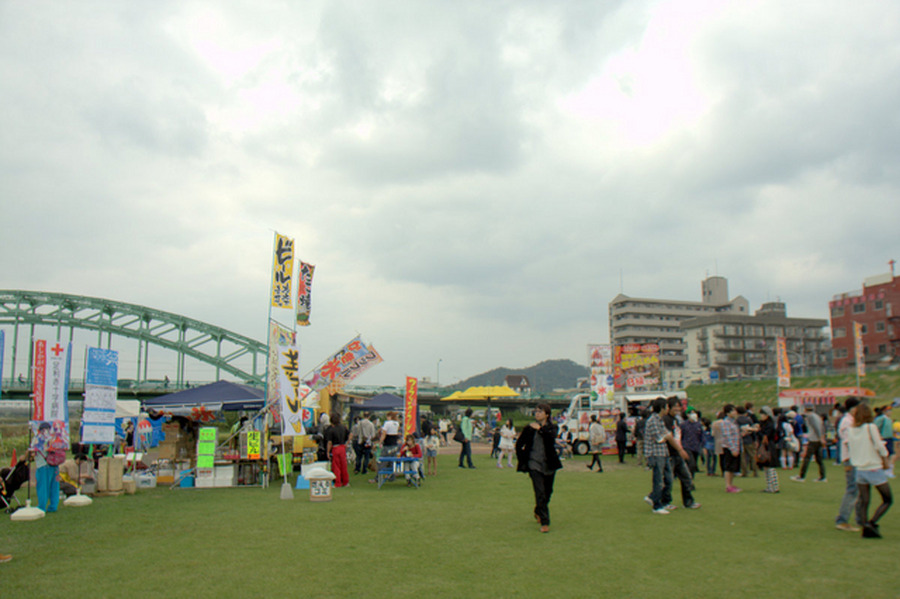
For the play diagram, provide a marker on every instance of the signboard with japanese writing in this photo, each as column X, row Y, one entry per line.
column 51, row 381
column 636, row 366
column 602, row 386
column 98, row 419
column 206, row 448
column 349, row 362
column 254, row 445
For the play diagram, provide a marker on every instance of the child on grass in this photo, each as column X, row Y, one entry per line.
column 432, row 443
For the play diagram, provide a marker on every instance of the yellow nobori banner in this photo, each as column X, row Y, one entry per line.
column 282, row 270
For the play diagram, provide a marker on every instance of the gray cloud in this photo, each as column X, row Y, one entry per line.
column 474, row 182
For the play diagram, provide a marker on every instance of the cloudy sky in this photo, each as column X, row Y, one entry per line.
column 474, row 181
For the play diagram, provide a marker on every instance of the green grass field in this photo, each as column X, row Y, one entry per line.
column 709, row 398
column 464, row 533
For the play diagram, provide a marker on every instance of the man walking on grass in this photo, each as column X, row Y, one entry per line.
column 672, row 420
column 815, row 437
column 731, row 447
column 656, row 448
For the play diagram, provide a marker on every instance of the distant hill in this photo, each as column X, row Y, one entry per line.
column 544, row 377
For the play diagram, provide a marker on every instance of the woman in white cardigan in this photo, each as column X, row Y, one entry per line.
column 867, row 454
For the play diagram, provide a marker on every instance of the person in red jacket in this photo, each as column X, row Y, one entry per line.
column 411, row 449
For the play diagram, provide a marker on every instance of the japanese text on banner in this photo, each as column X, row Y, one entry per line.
column 100, row 391
column 784, row 365
column 412, row 398
column 291, row 390
column 304, row 293
column 859, row 349
column 282, row 270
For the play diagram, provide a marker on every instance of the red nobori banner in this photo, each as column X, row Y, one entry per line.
column 412, row 399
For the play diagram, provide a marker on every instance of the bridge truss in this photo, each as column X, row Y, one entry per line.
column 228, row 352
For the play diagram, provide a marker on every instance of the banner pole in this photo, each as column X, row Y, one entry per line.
column 269, row 335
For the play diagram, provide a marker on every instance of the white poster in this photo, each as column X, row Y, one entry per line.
column 291, row 390
column 100, row 391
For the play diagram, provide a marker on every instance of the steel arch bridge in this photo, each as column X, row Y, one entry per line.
column 223, row 349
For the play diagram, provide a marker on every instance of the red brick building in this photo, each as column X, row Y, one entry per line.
column 877, row 309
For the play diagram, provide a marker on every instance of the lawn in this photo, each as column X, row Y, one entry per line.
column 464, row 533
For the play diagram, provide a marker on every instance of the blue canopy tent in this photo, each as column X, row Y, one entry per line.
column 221, row 395
column 380, row 403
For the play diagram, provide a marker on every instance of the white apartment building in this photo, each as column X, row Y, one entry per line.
column 646, row 320
column 738, row 345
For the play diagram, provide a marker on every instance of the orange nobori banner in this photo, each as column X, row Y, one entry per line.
column 412, row 399
column 784, row 365
column 859, row 349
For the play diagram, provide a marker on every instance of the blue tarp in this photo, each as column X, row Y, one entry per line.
column 221, row 395
column 384, row 401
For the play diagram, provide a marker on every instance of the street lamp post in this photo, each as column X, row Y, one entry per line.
column 438, row 382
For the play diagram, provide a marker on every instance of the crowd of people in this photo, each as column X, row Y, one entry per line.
column 743, row 444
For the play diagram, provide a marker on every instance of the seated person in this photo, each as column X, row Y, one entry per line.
column 411, row 449
column 564, row 442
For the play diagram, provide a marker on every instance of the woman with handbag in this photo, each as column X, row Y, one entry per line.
column 869, row 456
column 767, row 452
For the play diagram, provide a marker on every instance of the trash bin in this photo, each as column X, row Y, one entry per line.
column 320, row 484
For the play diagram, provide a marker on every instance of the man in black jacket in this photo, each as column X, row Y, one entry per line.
column 537, row 456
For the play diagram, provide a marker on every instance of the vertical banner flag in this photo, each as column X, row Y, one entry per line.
column 282, row 270
column 784, row 365
column 291, row 391
column 101, row 380
column 2, row 343
column 601, row 382
column 279, row 336
column 304, row 293
column 50, row 406
column 859, row 349
column 412, row 398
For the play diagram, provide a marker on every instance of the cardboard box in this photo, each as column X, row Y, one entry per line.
column 167, row 451
column 146, row 481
